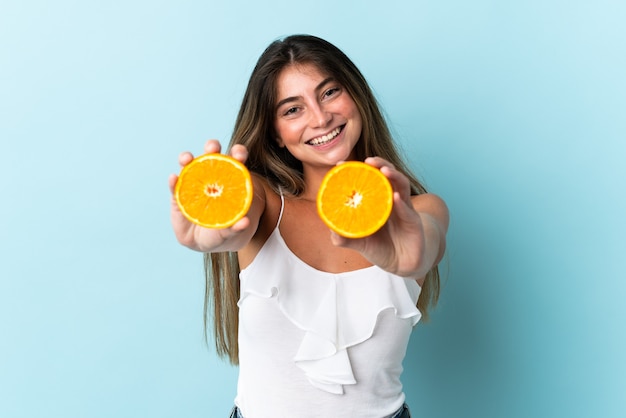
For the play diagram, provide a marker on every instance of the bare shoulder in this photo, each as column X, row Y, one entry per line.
column 267, row 207
column 434, row 206
column 272, row 204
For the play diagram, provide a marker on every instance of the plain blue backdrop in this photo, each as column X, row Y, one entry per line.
column 513, row 111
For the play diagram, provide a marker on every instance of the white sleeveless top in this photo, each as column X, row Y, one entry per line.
column 319, row 344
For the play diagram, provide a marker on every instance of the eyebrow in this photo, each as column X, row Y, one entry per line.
column 294, row 98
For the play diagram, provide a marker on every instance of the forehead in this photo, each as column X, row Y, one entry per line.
column 296, row 77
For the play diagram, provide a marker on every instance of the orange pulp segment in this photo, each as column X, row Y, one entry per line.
column 355, row 199
column 214, row 191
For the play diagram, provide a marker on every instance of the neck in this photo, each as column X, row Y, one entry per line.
column 313, row 177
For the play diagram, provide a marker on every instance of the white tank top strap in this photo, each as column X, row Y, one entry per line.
column 282, row 208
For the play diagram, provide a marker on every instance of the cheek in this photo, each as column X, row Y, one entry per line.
column 351, row 110
column 357, row 122
column 278, row 131
column 286, row 132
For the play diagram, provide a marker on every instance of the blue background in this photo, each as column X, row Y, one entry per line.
column 513, row 111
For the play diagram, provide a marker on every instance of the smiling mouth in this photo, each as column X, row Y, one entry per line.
column 321, row 140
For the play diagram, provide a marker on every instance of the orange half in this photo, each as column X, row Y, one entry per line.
column 355, row 199
column 214, row 191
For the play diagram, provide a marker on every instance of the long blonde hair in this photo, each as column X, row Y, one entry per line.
column 254, row 128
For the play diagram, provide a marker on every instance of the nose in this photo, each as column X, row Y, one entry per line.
column 320, row 117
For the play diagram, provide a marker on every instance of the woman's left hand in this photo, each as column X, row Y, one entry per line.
column 412, row 240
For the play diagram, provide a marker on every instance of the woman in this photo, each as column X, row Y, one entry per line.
column 319, row 324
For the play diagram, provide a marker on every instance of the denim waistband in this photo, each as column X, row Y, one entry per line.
column 403, row 412
column 235, row 413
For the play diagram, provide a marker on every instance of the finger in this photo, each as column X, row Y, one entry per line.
column 385, row 167
column 378, row 162
column 239, row 152
column 337, row 239
column 185, row 158
column 241, row 225
column 356, row 244
column 172, row 182
column 403, row 211
column 212, row 146
column 398, row 180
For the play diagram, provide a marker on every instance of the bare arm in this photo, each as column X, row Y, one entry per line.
column 217, row 240
column 414, row 238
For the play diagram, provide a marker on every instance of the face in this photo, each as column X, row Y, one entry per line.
column 316, row 118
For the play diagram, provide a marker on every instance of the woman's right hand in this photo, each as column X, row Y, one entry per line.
column 213, row 240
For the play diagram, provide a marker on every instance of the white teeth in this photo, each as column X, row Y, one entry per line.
column 325, row 138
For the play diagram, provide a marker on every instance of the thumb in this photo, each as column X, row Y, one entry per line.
column 337, row 240
column 402, row 209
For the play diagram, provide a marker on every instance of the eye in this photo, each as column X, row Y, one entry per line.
column 333, row 91
column 291, row 111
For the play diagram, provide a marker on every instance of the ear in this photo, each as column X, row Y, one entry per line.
column 280, row 142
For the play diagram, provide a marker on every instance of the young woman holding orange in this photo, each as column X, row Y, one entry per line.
column 318, row 323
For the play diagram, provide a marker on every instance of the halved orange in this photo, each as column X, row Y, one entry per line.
column 355, row 199
column 214, row 191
